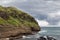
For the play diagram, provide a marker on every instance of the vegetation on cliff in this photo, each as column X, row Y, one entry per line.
column 14, row 21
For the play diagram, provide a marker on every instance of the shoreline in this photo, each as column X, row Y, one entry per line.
column 20, row 36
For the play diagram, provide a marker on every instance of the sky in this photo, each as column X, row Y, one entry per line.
column 46, row 12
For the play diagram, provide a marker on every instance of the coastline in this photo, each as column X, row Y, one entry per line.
column 21, row 36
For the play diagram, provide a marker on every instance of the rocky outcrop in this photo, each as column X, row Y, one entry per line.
column 15, row 23
column 46, row 38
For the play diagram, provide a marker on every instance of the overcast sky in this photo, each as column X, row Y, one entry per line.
column 46, row 12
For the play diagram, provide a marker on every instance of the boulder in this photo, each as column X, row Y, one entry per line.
column 46, row 38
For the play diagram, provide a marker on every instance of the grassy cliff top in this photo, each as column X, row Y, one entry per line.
column 11, row 15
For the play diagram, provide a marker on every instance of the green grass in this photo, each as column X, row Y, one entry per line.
column 2, row 21
column 13, row 21
column 16, row 17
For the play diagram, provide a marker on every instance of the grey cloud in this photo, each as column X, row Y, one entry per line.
column 40, row 9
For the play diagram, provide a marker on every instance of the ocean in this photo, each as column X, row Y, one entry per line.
column 45, row 31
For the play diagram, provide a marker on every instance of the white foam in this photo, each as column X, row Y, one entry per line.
column 25, row 37
column 45, row 37
column 42, row 31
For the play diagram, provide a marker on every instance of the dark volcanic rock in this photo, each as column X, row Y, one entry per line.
column 42, row 38
column 46, row 38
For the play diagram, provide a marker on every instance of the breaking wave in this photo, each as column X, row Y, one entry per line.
column 43, row 31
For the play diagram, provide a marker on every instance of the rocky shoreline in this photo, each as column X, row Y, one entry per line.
column 17, row 37
column 40, row 38
column 17, row 32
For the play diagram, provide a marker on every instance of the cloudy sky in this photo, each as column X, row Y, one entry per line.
column 46, row 12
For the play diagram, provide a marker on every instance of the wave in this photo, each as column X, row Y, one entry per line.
column 25, row 37
column 42, row 31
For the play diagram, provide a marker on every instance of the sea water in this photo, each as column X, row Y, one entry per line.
column 45, row 31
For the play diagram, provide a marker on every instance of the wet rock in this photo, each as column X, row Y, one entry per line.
column 46, row 38
column 42, row 38
column 50, row 38
column 4, row 38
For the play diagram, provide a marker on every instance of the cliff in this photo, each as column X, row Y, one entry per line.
column 14, row 22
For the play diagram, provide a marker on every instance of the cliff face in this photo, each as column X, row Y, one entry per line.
column 14, row 22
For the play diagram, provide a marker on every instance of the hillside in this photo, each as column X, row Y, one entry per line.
column 14, row 22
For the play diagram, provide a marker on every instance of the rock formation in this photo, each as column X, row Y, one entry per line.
column 46, row 38
column 15, row 23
